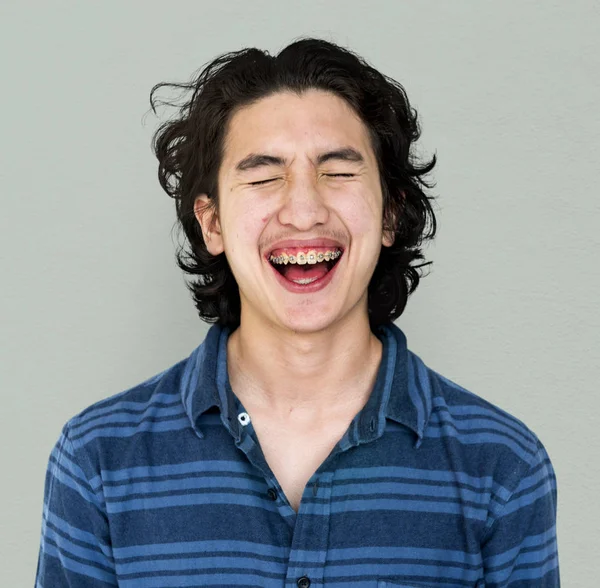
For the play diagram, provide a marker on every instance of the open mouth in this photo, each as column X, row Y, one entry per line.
column 305, row 268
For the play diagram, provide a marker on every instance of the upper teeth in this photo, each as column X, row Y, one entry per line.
column 302, row 258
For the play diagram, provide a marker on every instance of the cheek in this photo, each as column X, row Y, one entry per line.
column 360, row 215
column 243, row 226
column 253, row 211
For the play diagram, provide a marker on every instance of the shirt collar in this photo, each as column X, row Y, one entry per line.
column 410, row 392
column 401, row 391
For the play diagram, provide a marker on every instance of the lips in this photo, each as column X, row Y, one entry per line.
column 304, row 284
column 304, row 278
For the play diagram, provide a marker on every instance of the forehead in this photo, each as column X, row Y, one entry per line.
column 290, row 124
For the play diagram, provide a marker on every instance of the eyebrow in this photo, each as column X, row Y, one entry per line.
column 255, row 160
column 344, row 154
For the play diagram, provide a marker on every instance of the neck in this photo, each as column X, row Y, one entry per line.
column 290, row 375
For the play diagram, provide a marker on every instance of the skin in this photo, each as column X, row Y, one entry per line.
column 296, row 359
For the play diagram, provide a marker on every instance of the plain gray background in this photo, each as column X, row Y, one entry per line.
column 92, row 301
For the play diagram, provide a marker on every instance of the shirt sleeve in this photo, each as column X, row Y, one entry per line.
column 75, row 550
column 520, row 546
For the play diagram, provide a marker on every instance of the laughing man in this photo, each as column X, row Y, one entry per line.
column 302, row 443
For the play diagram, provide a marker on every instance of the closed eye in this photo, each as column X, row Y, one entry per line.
column 261, row 182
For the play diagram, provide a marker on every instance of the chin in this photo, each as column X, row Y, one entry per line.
column 299, row 321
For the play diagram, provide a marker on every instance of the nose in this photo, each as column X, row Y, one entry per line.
column 303, row 204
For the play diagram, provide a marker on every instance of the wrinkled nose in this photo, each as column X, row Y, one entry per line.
column 303, row 205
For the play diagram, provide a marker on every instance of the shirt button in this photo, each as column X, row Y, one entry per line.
column 272, row 494
column 303, row 582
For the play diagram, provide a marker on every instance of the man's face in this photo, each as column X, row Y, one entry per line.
column 298, row 182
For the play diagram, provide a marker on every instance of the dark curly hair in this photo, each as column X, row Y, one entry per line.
column 189, row 149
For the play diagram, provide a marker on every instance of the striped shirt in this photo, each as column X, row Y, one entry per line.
column 166, row 485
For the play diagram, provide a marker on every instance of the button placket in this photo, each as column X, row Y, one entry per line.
column 310, row 539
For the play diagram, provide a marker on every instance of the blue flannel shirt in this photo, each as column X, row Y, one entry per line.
column 166, row 485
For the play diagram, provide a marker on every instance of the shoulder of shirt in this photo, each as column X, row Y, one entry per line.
column 152, row 398
column 470, row 416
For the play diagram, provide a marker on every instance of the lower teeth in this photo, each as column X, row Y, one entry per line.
column 304, row 281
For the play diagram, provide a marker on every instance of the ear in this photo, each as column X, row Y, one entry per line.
column 207, row 218
column 388, row 235
column 387, row 238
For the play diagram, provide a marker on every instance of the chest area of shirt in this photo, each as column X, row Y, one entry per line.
column 372, row 511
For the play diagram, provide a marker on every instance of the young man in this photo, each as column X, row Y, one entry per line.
column 301, row 444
